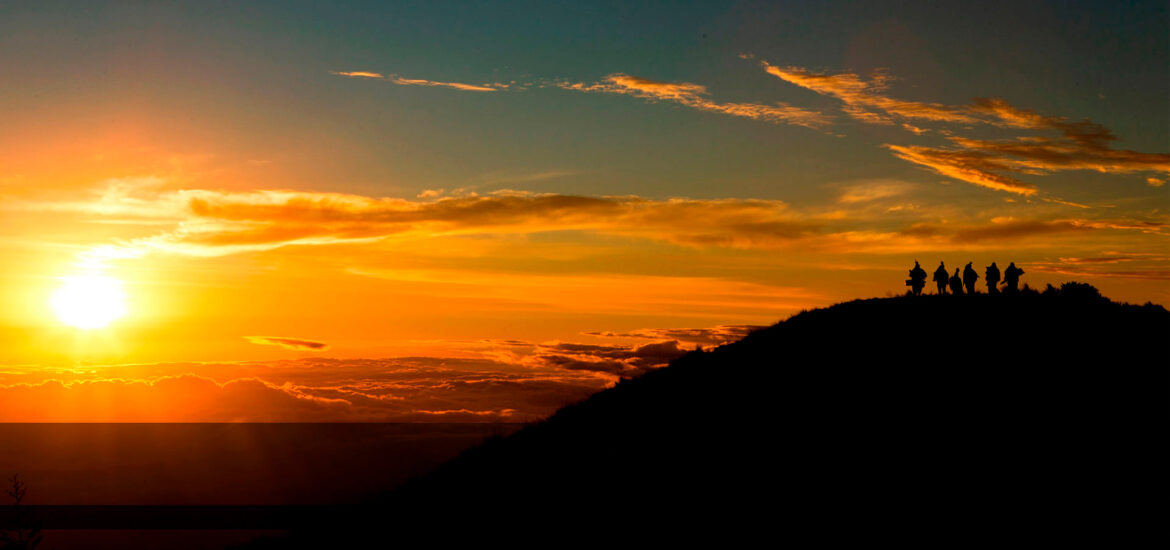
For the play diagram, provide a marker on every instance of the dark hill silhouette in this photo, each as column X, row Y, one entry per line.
column 1031, row 417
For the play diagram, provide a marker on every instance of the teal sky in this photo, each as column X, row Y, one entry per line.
column 256, row 77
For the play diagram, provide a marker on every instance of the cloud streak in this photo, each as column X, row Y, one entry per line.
column 992, row 164
column 1077, row 145
column 1150, row 267
column 298, row 344
column 866, row 100
column 972, row 167
column 395, row 79
column 624, row 361
column 695, row 97
column 717, row 335
column 863, row 219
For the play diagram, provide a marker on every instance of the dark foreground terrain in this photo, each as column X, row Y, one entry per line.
column 1030, row 418
column 196, row 486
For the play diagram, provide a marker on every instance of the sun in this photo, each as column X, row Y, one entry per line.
column 89, row 301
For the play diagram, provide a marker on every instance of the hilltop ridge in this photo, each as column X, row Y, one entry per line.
column 978, row 414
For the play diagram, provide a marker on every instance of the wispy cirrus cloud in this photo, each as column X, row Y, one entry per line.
column 359, row 74
column 1110, row 265
column 993, row 164
column 1006, row 229
column 298, row 344
column 1077, row 145
column 395, row 79
column 695, row 96
column 970, row 166
column 866, row 100
column 870, row 191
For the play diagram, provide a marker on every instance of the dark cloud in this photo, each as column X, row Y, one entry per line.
column 717, row 335
column 220, row 222
column 1016, row 229
column 1003, row 230
column 620, row 360
column 299, row 344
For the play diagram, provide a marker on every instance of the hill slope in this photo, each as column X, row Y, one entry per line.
column 912, row 415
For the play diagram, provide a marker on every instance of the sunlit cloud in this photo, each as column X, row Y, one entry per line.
column 872, row 191
column 1082, row 145
column 1001, row 230
column 395, row 79
column 414, row 389
column 358, row 74
column 971, row 167
column 218, row 223
column 1147, row 266
column 695, row 97
column 489, row 87
column 991, row 164
column 866, row 100
column 1067, row 203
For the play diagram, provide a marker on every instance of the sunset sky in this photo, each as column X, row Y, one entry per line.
column 301, row 211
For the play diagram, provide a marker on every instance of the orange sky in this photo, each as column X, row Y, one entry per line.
column 282, row 233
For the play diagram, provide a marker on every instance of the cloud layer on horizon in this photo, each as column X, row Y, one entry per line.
column 513, row 381
column 485, row 381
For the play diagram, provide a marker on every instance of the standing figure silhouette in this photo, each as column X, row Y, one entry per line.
column 969, row 278
column 1011, row 277
column 941, row 279
column 956, row 283
column 992, row 276
column 917, row 279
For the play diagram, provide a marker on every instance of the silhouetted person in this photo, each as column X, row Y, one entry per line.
column 917, row 279
column 956, row 283
column 992, row 276
column 941, row 279
column 1011, row 277
column 969, row 278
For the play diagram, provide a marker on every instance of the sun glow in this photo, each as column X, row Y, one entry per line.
column 89, row 301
